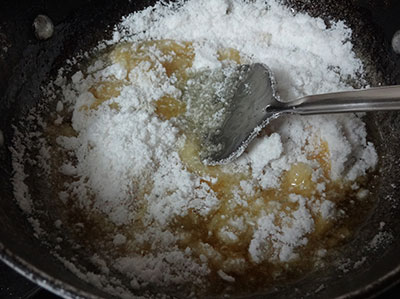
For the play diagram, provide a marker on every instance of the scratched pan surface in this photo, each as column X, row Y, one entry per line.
column 26, row 64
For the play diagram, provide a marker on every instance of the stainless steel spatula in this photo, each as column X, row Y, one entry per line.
column 255, row 103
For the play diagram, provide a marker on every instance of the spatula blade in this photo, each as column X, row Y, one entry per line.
column 246, row 118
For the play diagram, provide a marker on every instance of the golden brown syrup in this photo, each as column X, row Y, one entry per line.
column 203, row 234
column 104, row 91
column 168, row 107
column 180, row 56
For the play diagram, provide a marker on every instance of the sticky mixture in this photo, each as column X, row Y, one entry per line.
column 121, row 150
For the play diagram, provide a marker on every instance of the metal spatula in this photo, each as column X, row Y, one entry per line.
column 255, row 103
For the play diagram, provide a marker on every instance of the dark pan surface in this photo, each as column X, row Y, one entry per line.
column 27, row 64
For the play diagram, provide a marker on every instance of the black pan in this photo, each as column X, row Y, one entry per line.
column 26, row 64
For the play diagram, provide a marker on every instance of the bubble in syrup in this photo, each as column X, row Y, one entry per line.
column 396, row 42
column 43, row 26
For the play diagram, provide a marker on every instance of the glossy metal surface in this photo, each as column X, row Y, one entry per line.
column 247, row 115
column 255, row 103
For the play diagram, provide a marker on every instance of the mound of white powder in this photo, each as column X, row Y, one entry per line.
column 303, row 54
column 119, row 154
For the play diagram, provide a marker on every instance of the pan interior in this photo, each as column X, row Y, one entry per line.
column 371, row 243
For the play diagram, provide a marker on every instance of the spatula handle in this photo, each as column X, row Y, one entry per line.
column 373, row 99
